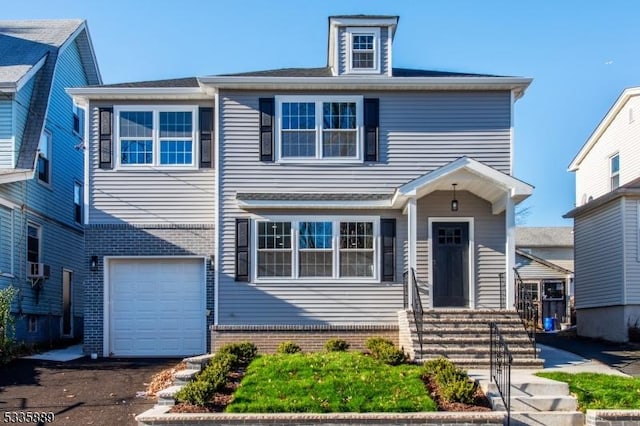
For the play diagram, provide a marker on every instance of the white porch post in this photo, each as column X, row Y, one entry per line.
column 510, row 251
column 412, row 237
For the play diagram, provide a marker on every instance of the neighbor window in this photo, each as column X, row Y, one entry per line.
column 324, row 128
column 614, row 163
column 364, row 55
column 156, row 137
column 44, row 158
column 77, row 202
column 313, row 248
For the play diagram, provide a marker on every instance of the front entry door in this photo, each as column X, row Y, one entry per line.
column 450, row 264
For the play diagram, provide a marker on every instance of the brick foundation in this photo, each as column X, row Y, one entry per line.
column 309, row 338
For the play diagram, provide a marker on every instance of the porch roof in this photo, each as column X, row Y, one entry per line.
column 468, row 175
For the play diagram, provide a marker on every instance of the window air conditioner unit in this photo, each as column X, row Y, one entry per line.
column 38, row 270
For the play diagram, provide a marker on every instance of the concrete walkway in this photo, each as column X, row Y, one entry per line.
column 60, row 355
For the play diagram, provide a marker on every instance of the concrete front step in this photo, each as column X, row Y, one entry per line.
column 547, row 418
column 462, row 339
column 537, row 386
column 182, row 377
column 197, row 362
column 462, row 331
column 537, row 403
column 472, row 351
column 471, row 321
column 167, row 396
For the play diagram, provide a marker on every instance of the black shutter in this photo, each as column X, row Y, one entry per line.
column 242, row 250
column 267, row 107
column 388, row 231
column 206, row 138
column 106, row 138
column 371, row 121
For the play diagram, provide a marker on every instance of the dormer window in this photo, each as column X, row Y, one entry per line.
column 364, row 55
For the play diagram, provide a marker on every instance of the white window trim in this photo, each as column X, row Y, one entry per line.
column 39, row 228
column 318, row 100
column 472, row 260
column 48, row 156
column 613, row 174
column 295, row 220
column 376, row 50
column 155, row 110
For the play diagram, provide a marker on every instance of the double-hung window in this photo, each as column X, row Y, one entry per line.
column 161, row 137
column 323, row 128
column 44, row 157
column 614, row 171
column 34, row 234
column 317, row 248
column 364, row 45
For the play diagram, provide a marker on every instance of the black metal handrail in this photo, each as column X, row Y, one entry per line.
column 416, row 307
column 527, row 310
column 500, row 366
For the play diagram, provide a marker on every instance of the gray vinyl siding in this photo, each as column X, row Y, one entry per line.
column 385, row 46
column 6, row 133
column 599, row 257
column 419, row 132
column 150, row 196
column 343, row 44
column 329, row 302
column 488, row 235
column 532, row 270
column 632, row 253
column 22, row 109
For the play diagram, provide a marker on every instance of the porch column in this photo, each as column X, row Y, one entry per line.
column 510, row 251
column 412, row 237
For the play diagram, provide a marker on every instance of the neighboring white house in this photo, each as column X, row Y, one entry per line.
column 544, row 261
column 607, row 223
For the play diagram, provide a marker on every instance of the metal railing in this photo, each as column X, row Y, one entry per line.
column 500, row 367
column 416, row 307
column 527, row 310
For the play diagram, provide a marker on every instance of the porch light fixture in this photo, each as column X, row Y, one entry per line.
column 94, row 263
column 454, row 202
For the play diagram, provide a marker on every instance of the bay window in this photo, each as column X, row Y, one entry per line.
column 316, row 248
column 323, row 128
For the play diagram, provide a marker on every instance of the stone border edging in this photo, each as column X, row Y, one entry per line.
column 612, row 417
column 159, row 415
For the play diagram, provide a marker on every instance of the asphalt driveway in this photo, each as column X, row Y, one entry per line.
column 80, row 392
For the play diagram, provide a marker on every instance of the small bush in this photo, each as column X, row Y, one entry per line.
column 384, row 350
column 198, row 392
column 224, row 361
column 433, row 366
column 288, row 347
column 245, row 351
column 462, row 390
column 453, row 381
column 336, row 345
column 374, row 343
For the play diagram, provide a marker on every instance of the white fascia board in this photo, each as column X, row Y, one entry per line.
column 82, row 94
column 293, row 204
column 602, row 126
column 369, row 82
column 29, row 74
column 17, row 176
column 8, row 87
column 364, row 22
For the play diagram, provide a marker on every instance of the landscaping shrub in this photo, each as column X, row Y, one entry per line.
column 197, row 392
column 454, row 384
column 336, row 345
column 245, row 351
column 385, row 351
column 6, row 324
column 288, row 347
column 224, row 362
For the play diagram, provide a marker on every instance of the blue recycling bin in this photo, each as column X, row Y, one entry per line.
column 549, row 324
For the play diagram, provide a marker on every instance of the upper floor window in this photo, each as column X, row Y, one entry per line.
column 33, row 243
column 77, row 202
column 364, row 50
column 44, row 157
column 323, row 128
column 614, row 167
column 156, row 137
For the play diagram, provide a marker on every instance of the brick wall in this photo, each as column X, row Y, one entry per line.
column 309, row 338
column 138, row 240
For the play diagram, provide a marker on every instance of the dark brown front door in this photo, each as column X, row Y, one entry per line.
column 450, row 264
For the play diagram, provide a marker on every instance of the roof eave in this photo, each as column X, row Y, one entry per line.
column 315, row 204
column 518, row 84
column 600, row 201
column 82, row 94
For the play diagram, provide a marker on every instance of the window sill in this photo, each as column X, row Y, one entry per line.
column 320, row 162
column 327, row 280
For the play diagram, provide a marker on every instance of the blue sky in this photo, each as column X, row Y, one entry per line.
column 581, row 55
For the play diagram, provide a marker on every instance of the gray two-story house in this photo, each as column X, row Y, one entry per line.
column 42, row 180
column 296, row 203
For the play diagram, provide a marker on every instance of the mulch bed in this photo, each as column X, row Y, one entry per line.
column 224, row 398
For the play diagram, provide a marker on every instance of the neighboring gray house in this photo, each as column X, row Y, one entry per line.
column 607, row 223
column 544, row 261
column 289, row 203
column 42, row 174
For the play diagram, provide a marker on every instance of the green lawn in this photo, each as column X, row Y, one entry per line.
column 601, row 391
column 329, row 382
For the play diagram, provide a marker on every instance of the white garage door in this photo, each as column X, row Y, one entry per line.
column 157, row 307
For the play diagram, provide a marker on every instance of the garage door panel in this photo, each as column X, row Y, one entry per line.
column 157, row 307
